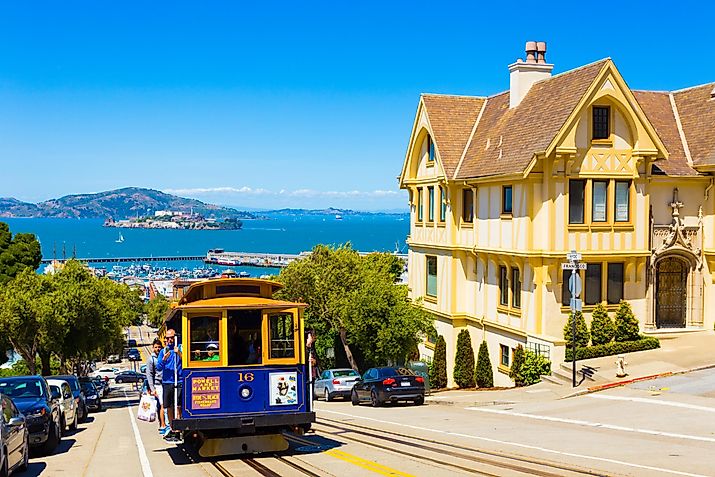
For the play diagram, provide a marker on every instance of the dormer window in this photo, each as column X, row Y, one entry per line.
column 430, row 149
column 601, row 126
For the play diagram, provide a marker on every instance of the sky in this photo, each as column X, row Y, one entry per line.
column 284, row 104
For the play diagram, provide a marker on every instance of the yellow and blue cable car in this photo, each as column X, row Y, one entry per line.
column 246, row 377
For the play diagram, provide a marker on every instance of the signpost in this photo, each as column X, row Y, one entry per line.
column 575, row 287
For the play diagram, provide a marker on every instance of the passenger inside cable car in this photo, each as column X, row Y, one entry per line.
column 244, row 337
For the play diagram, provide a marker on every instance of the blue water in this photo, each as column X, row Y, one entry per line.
column 279, row 234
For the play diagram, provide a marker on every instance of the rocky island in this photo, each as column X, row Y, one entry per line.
column 167, row 219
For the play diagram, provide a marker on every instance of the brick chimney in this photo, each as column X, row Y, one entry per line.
column 523, row 74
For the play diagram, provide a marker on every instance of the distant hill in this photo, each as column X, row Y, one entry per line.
column 117, row 204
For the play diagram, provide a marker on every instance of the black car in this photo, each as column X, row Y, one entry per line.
column 79, row 396
column 380, row 385
column 129, row 377
column 91, row 394
column 102, row 385
column 14, row 438
column 134, row 355
column 31, row 395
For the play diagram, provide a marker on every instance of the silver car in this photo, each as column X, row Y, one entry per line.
column 335, row 382
column 70, row 409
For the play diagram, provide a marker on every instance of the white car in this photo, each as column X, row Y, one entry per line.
column 106, row 372
column 68, row 405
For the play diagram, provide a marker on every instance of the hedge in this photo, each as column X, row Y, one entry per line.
column 617, row 347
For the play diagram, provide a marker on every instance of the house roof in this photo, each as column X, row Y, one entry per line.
column 479, row 137
column 451, row 119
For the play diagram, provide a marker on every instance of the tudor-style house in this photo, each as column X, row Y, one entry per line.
column 502, row 187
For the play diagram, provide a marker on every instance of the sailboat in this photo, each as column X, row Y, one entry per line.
column 120, row 239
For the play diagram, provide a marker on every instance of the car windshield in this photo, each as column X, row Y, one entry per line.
column 342, row 373
column 21, row 388
column 89, row 387
column 387, row 372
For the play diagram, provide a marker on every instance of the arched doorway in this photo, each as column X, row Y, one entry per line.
column 671, row 293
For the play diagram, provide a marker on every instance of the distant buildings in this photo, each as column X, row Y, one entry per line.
column 502, row 187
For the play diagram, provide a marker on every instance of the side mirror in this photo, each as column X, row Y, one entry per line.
column 16, row 421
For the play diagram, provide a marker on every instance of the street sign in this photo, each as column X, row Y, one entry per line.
column 573, row 256
column 573, row 266
column 575, row 284
column 576, row 304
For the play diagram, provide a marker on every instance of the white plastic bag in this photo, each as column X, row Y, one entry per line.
column 147, row 408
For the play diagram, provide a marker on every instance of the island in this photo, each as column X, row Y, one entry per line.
column 168, row 219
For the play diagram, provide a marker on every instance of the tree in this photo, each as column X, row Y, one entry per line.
column 533, row 368
column 464, row 361
column 582, row 334
column 17, row 253
column 627, row 327
column 438, row 371
column 602, row 326
column 484, row 372
column 156, row 309
column 355, row 300
column 515, row 372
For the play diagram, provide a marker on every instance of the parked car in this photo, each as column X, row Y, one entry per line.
column 68, row 405
column 102, row 385
column 32, row 397
column 380, row 385
column 134, row 355
column 113, row 359
column 129, row 377
column 94, row 400
column 14, row 438
column 335, row 383
column 142, row 368
column 131, row 343
column 79, row 397
column 106, row 372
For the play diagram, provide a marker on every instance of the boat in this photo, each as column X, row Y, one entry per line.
column 338, row 217
column 120, row 239
column 244, row 274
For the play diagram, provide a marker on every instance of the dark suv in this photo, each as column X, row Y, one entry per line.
column 134, row 355
column 31, row 395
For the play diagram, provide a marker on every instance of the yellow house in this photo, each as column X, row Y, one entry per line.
column 502, row 187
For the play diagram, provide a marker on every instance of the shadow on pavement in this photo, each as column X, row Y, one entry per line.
column 33, row 470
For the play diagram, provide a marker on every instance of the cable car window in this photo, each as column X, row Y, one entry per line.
column 204, row 335
column 282, row 335
column 244, row 337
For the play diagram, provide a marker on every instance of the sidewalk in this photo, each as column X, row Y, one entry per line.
column 679, row 352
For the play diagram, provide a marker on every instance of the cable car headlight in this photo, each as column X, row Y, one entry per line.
column 245, row 392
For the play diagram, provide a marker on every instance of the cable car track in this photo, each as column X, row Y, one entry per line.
column 514, row 465
column 263, row 469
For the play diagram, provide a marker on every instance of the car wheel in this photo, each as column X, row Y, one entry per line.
column 99, row 406
column 354, row 398
column 63, row 425
column 82, row 412
column 53, row 440
column 119, row 381
column 419, row 401
column 3, row 469
column 374, row 399
column 73, row 426
column 25, row 456
column 327, row 395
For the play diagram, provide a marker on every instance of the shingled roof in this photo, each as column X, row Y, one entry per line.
column 504, row 141
column 451, row 119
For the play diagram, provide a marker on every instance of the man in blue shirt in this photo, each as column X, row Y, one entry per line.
column 168, row 363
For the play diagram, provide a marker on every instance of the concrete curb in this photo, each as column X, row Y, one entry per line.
column 616, row 384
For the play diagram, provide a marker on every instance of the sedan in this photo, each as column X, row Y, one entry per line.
column 134, row 355
column 335, row 383
column 14, row 438
column 388, row 384
column 94, row 400
column 106, row 372
column 129, row 377
column 114, row 358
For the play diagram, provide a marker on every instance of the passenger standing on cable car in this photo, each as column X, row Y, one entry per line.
column 169, row 364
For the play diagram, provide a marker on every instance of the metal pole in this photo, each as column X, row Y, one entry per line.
column 573, row 332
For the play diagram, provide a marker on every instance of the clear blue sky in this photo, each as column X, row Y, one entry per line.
column 278, row 104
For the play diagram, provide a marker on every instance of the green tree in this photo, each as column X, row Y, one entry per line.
column 155, row 309
column 582, row 334
column 515, row 372
column 464, row 361
column 602, row 326
column 627, row 327
column 17, row 253
column 355, row 300
column 438, row 370
column 484, row 372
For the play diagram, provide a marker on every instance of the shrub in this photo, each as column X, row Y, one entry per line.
column 484, row 372
column 516, row 365
column 613, row 348
column 582, row 334
column 464, row 361
column 534, row 367
column 627, row 327
column 602, row 326
column 438, row 369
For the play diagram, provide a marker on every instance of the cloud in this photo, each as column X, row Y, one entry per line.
column 303, row 193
